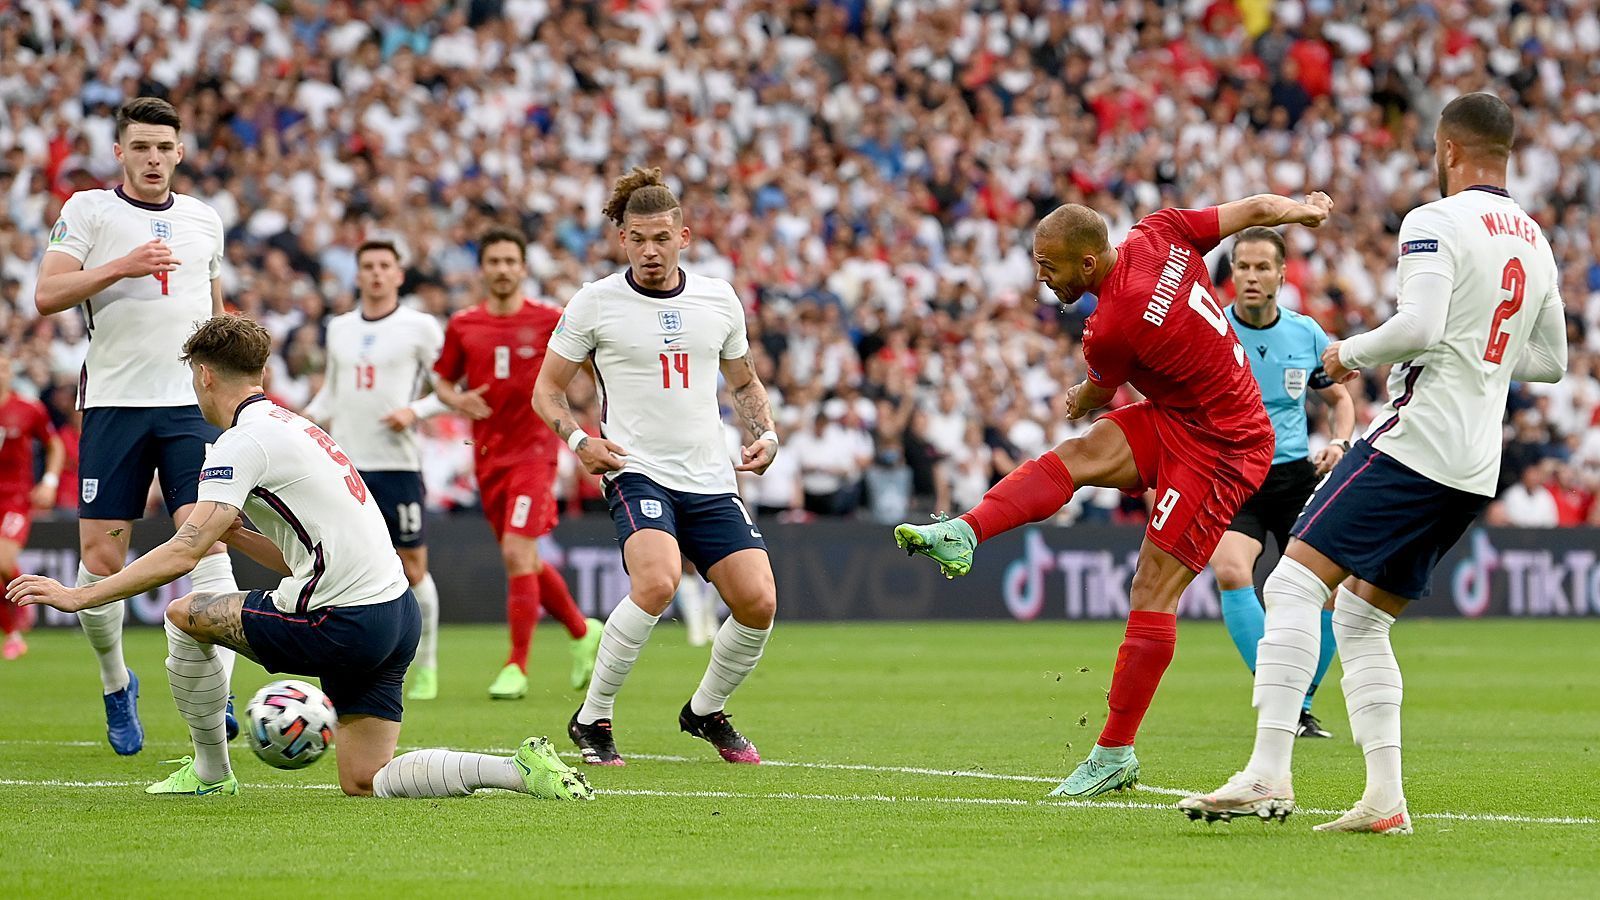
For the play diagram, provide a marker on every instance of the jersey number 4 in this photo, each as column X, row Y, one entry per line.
column 1513, row 278
column 679, row 363
column 162, row 277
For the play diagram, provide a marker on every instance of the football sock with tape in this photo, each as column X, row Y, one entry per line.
column 558, row 602
column 1245, row 620
column 200, row 690
column 103, row 627
column 522, row 613
column 1033, row 492
column 214, row 575
column 1285, row 662
column 734, row 655
column 445, row 773
column 428, row 603
column 1372, row 692
column 627, row 629
column 1146, row 651
column 1330, row 647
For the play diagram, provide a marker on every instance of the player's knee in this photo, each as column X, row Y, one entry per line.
column 519, row 563
column 759, row 610
column 1154, row 590
column 1232, row 574
column 178, row 614
column 415, row 570
column 652, row 591
column 356, row 785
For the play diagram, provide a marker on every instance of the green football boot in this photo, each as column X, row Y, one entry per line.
column 510, row 684
column 948, row 542
column 1106, row 770
column 185, row 781
column 546, row 776
column 584, row 650
column 424, row 683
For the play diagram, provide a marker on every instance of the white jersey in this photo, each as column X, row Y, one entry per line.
column 137, row 326
column 376, row 366
column 1446, row 405
column 304, row 494
column 657, row 357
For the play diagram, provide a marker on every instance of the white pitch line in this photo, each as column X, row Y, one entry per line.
column 853, row 767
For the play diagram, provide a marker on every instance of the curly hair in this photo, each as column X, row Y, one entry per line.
column 641, row 192
column 233, row 344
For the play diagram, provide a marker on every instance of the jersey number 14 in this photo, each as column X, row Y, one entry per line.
column 679, row 364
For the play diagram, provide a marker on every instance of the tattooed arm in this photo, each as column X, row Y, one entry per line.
column 755, row 413
column 597, row 454
column 166, row 563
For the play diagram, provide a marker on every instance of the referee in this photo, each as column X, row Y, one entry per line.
column 1285, row 351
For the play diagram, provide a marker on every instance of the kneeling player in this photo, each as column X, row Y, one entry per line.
column 343, row 611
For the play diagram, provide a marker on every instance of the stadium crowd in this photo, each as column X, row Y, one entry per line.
column 865, row 172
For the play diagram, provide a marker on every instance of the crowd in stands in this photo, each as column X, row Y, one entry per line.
column 865, row 172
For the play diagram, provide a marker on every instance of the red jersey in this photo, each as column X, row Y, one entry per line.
column 505, row 353
column 1158, row 328
column 22, row 421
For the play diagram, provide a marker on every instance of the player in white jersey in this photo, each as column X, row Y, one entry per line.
column 342, row 612
column 657, row 338
column 379, row 356
column 1479, row 307
column 143, row 264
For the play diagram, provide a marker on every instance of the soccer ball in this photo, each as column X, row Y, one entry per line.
column 291, row 724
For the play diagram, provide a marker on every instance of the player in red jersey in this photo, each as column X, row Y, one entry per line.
column 496, row 348
column 22, row 421
column 1201, row 438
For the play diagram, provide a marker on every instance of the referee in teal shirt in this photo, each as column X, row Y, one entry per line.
column 1285, row 352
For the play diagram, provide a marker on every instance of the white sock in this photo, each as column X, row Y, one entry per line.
column 1286, row 660
column 214, row 575
column 734, row 655
column 428, row 602
column 200, row 689
column 103, row 627
column 691, row 602
column 445, row 773
column 1372, row 692
column 624, row 636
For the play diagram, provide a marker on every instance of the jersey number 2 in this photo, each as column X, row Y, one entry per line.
column 678, row 363
column 1513, row 278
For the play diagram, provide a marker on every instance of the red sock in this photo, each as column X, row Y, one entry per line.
column 1145, row 653
column 522, row 612
column 10, row 616
column 557, row 601
column 1033, row 492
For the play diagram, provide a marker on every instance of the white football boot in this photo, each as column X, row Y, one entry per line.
column 1363, row 818
column 1243, row 795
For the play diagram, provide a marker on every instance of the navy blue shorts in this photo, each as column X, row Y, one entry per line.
column 123, row 447
column 360, row 653
column 1385, row 523
column 709, row 527
column 399, row 495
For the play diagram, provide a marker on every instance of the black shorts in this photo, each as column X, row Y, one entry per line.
column 709, row 527
column 360, row 653
column 1385, row 523
column 1275, row 506
column 123, row 447
column 399, row 495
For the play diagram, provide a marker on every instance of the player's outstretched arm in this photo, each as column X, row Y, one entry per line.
column 597, row 454
column 750, row 403
column 1271, row 210
column 65, row 283
column 166, row 563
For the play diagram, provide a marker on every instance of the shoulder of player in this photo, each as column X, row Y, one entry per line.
column 1439, row 215
column 194, row 206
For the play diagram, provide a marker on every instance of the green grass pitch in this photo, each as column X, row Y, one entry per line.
column 1501, row 719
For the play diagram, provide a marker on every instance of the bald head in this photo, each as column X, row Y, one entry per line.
column 1072, row 228
column 1071, row 251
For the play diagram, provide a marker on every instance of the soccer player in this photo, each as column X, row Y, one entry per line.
column 496, row 347
column 144, row 264
column 342, row 612
column 379, row 355
column 1201, row 439
column 22, row 423
column 1285, row 353
column 657, row 337
column 1479, row 307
